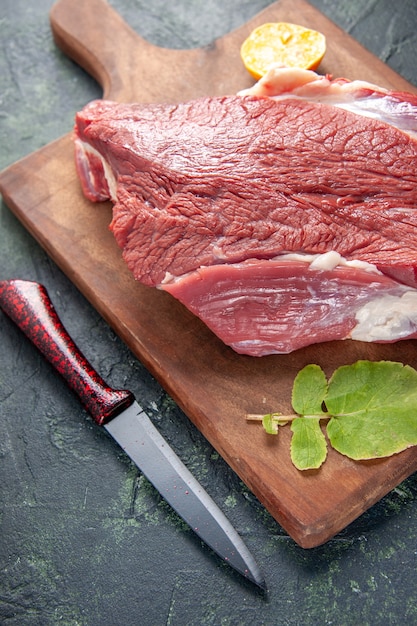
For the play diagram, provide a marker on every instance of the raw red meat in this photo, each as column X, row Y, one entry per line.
column 276, row 306
column 219, row 188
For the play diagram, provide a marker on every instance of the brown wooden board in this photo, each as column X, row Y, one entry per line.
column 214, row 386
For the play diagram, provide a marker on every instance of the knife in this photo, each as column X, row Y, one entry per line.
column 28, row 304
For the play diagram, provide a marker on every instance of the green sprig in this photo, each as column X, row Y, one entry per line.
column 370, row 408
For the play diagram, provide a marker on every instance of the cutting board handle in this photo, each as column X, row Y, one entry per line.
column 131, row 69
column 96, row 37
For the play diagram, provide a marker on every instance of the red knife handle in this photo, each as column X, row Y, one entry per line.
column 29, row 306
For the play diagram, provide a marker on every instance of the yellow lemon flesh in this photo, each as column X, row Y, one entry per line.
column 282, row 43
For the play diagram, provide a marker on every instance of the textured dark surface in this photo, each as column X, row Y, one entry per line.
column 84, row 539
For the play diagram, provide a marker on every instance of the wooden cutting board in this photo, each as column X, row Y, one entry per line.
column 214, row 386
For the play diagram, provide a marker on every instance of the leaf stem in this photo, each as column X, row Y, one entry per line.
column 256, row 417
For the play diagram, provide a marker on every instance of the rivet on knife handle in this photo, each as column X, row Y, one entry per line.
column 28, row 305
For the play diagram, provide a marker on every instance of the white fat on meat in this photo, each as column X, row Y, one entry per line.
column 387, row 318
column 92, row 184
column 357, row 96
column 326, row 261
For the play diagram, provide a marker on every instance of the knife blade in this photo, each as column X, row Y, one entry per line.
column 28, row 305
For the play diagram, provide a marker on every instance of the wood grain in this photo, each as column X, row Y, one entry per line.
column 213, row 385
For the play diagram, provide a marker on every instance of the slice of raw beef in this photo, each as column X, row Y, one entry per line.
column 213, row 197
column 261, row 307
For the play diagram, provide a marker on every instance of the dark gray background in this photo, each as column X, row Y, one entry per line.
column 84, row 540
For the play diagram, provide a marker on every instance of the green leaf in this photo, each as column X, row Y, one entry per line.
column 374, row 409
column 270, row 423
column 371, row 408
column 308, row 444
column 309, row 391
